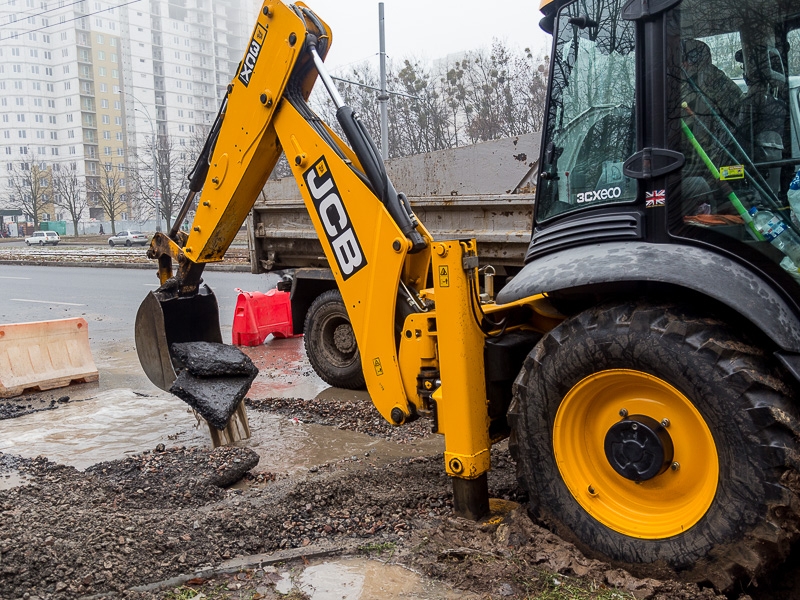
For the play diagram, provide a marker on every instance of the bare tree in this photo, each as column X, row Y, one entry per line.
column 69, row 192
column 109, row 189
column 160, row 177
column 420, row 120
column 29, row 188
column 482, row 96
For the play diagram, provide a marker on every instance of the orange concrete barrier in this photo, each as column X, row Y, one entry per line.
column 44, row 355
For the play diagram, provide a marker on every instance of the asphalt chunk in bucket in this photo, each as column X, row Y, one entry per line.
column 212, row 378
column 209, row 359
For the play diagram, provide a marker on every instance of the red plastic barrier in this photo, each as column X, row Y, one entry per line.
column 258, row 314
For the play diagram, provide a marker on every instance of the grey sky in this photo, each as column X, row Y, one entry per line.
column 427, row 29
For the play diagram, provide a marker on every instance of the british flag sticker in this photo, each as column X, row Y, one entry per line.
column 654, row 198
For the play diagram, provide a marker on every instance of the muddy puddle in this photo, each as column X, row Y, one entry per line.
column 117, row 423
column 108, row 426
column 362, row 579
column 284, row 370
column 103, row 423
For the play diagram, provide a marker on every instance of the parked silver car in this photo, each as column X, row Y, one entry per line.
column 129, row 238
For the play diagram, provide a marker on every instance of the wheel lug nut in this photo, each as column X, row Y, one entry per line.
column 623, row 412
column 665, row 422
column 635, row 426
column 675, row 466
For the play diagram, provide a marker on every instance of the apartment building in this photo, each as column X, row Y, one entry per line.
column 100, row 87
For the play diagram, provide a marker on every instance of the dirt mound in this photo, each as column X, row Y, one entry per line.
column 153, row 516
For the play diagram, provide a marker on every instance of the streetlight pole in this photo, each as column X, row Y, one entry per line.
column 154, row 140
column 384, row 97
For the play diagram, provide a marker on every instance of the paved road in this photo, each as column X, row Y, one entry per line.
column 107, row 298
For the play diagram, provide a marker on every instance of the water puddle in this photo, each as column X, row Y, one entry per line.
column 287, row 446
column 108, row 426
column 284, row 370
column 117, row 423
column 109, row 420
column 12, row 480
column 361, row 579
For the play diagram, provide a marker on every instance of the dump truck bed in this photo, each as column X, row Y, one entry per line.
column 451, row 191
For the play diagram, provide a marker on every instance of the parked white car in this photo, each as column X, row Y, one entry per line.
column 129, row 238
column 43, row 237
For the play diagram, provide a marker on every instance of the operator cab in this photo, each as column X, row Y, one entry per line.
column 671, row 126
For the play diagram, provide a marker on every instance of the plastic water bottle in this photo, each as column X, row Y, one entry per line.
column 776, row 232
column 794, row 198
column 791, row 268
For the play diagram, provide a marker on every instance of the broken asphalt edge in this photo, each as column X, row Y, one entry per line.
column 112, row 265
column 233, row 565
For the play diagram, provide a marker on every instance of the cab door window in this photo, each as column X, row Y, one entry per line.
column 591, row 122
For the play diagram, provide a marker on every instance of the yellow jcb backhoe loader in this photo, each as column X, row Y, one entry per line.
column 645, row 362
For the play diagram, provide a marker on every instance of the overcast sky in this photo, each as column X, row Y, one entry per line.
column 427, row 29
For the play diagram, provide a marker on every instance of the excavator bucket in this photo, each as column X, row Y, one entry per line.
column 162, row 321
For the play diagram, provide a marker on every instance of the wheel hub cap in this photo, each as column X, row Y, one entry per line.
column 344, row 339
column 619, row 471
column 638, row 448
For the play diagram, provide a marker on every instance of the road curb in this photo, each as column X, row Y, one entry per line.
column 107, row 265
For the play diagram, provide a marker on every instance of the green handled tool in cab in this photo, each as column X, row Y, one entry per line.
column 645, row 362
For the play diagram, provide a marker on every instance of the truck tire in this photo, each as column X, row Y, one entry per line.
column 722, row 506
column 331, row 344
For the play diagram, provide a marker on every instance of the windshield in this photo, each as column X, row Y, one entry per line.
column 736, row 79
column 591, row 124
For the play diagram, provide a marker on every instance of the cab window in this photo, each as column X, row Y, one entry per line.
column 735, row 119
column 591, row 125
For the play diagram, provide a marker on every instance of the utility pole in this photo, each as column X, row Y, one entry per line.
column 384, row 96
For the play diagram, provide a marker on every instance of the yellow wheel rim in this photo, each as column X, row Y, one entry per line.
column 661, row 507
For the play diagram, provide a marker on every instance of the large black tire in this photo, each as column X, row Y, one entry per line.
column 128, row 243
column 738, row 390
column 111, row 243
column 331, row 344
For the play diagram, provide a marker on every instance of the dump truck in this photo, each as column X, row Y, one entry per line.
column 645, row 362
column 446, row 189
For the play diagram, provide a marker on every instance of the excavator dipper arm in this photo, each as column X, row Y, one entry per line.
column 366, row 226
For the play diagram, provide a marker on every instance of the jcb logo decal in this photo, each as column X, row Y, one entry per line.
column 335, row 219
column 250, row 59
